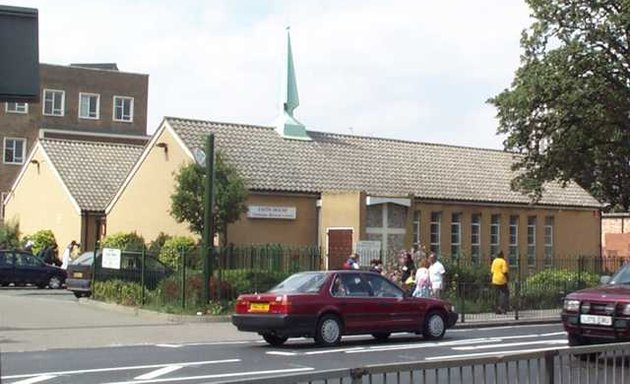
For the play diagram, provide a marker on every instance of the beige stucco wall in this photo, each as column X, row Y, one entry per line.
column 144, row 204
column 40, row 202
column 343, row 209
column 301, row 231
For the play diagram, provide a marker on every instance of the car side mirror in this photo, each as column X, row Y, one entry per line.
column 605, row 280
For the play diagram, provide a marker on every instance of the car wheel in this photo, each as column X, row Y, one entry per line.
column 275, row 340
column 434, row 326
column 54, row 282
column 78, row 295
column 328, row 332
column 381, row 336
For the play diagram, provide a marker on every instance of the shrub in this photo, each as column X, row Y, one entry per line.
column 124, row 241
column 171, row 252
column 249, row 280
column 169, row 290
column 118, row 291
column 156, row 245
column 9, row 235
column 41, row 239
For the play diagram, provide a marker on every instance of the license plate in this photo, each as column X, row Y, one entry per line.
column 77, row 275
column 259, row 307
column 596, row 320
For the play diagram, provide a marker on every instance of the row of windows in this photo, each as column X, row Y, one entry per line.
column 435, row 233
column 54, row 102
column 14, row 150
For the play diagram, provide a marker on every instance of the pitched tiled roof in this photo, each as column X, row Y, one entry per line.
column 378, row 166
column 92, row 171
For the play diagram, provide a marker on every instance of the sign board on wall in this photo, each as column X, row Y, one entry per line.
column 368, row 250
column 111, row 258
column 268, row 212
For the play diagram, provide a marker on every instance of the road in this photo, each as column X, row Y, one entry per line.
column 218, row 352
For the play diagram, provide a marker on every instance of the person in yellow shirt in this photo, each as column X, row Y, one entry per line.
column 500, row 279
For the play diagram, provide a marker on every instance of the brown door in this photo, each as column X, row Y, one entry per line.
column 339, row 247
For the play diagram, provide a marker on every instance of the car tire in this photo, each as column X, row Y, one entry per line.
column 381, row 336
column 54, row 282
column 434, row 326
column 275, row 340
column 79, row 295
column 329, row 330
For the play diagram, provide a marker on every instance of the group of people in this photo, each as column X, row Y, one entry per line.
column 426, row 280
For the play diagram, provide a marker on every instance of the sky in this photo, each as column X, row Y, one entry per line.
column 416, row 70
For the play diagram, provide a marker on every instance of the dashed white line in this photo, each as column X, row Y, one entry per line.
column 480, row 354
column 159, row 372
column 169, row 345
column 507, row 345
column 36, row 379
column 281, row 353
column 218, row 376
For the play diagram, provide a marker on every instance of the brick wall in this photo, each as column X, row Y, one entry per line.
column 616, row 235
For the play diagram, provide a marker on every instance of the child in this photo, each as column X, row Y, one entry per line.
column 423, row 282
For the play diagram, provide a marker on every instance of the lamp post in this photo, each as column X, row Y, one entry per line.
column 207, row 252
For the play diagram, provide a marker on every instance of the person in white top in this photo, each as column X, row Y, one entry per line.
column 436, row 274
column 65, row 258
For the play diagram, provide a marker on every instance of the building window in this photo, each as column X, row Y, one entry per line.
column 513, row 255
column 417, row 241
column 89, row 105
column 456, row 234
column 16, row 107
column 54, row 102
column 123, row 109
column 475, row 237
column 495, row 235
column 436, row 227
column 14, row 149
column 531, row 240
column 549, row 223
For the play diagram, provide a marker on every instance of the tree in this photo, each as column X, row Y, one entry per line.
column 568, row 108
column 230, row 197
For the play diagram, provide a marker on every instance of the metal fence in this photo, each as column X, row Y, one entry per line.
column 602, row 364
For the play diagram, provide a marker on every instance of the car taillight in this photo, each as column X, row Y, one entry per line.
column 279, row 305
column 241, row 306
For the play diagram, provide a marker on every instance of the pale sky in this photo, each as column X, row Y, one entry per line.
column 416, row 70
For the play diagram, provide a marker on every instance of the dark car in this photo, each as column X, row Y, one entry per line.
column 328, row 304
column 80, row 272
column 601, row 314
column 21, row 268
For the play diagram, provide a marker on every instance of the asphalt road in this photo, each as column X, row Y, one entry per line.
column 220, row 361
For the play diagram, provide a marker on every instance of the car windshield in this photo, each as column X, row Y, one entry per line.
column 309, row 282
column 84, row 259
column 622, row 276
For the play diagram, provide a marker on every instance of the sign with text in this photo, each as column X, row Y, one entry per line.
column 267, row 212
column 111, row 258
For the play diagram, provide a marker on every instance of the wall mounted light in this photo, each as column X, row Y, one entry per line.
column 36, row 162
column 163, row 146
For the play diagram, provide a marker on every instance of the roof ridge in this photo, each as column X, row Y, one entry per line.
column 90, row 142
column 218, row 122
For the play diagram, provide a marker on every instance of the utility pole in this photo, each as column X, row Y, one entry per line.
column 208, row 219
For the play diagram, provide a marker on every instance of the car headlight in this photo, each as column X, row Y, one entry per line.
column 571, row 305
column 626, row 309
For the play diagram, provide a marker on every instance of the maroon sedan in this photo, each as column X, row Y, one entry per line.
column 328, row 304
column 600, row 314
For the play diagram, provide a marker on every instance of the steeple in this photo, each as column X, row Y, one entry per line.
column 286, row 125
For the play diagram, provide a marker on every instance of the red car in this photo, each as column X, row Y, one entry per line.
column 328, row 304
column 600, row 314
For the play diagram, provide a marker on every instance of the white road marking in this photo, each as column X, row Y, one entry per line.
column 281, row 353
column 218, row 376
column 493, row 353
column 503, row 327
column 506, row 345
column 36, row 379
column 128, row 368
column 169, row 345
column 326, row 351
column 159, row 372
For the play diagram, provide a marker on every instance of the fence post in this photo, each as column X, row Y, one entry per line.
column 580, row 266
column 356, row 375
column 182, row 253
column 96, row 245
column 517, row 287
column 142, row 273
column 549, row 372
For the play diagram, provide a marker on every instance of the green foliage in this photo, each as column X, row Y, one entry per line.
column 566, row 111
column 124, row 241
column 118, row 291
column 156, row 245
column 41, row 239
column 546, row 289
column 173, row 248
column 9, row 235
column 250, row 281
column 187, row 201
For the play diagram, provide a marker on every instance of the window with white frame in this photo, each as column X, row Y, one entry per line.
column 436, row 227
column 456, row 234
column 54, row 102
column 475, row 237
column 123, row 108
column 549, row 223
column 513, row 252
column 14, row 149
column 495, row 234
column 89, row 107
column 531, row 240
column 16, row 107
column 416, row 229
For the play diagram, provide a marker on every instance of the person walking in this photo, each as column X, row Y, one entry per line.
column 352, row 262
column 436, row 275
column 500, row 279
column 423, row 282
column 65, row 258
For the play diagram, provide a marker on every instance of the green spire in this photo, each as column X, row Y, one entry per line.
column 287, row 125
